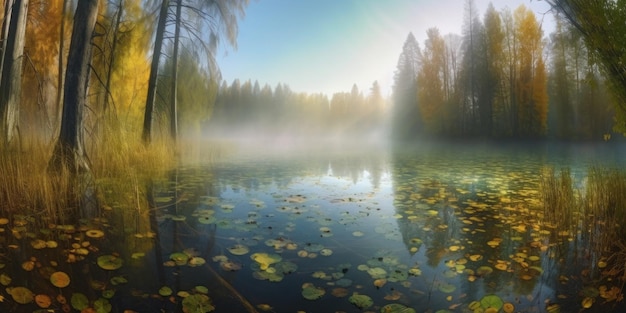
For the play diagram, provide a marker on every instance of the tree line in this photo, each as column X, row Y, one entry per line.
column 249, row 109
column 500, row 79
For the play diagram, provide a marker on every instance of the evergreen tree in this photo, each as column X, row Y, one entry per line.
column 405, row 113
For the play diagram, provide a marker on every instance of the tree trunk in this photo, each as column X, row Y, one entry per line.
column 11, row 80
column 174, row 86
column 154, row 71
column 116, row 30
column 69, row 152
column 59, row 98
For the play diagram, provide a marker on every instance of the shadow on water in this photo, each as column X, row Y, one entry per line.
column 431, row 228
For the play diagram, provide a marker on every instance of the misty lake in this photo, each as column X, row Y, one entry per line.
column 435, row 229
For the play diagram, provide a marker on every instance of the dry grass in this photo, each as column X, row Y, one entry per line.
column 597, row 211
column 119, row 161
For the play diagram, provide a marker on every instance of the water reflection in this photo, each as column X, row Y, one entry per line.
column 446, row 226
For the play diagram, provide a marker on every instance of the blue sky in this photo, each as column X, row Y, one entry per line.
column 329, row 45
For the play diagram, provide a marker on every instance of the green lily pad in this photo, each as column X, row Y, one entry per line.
column 396, row 308
column 118, row 280
column 21, row 295
column 109, row 262
column 196, row 261
column 108, row 294
column 179, row 258
column 377, row 272
column 165, row 291
column 79, row 301
column 313, row 247
column 398, row 275
column 446, row 288
column 491, row 301
column 270, row 274
column 343, row 282
column 286, row 267
column 197, row 303
column 102, row 305
column 238, row 249
column 201, row 289
column 361, row 301
column 310, row 292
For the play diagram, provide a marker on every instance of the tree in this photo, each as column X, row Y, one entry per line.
column 69, row 151
column 154, row 72
column 530, row 86
column 13, row 30
column 205, row 22
column 430, row 81
column 492, row 104
column 472, row 64
column 603, row 25
column 405, row 115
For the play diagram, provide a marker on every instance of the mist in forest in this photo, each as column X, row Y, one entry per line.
column 251, row 114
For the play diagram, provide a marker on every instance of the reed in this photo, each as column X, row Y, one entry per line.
column 596, row 211
column 26, row 187
column 560, row 199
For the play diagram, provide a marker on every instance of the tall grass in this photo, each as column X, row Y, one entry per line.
column 119, row 161
column 597, row 210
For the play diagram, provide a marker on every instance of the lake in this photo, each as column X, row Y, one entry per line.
column 436, row 228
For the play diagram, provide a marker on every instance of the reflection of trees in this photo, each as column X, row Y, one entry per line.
column 281, row 170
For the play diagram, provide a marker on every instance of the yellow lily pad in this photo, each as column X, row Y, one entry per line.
column 265, row 260
column 60, row 279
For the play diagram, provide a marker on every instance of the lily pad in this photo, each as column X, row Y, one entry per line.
column 21, row 295
column 377, row 272
column 491, row 301
column 265, row 260
column 118, row 280
column 43, row 301
column 396, row 308
column 5, row 279
column 165, row 291
column 286, row 267
column 94, row 233
column 102, row 305
column 109, row 262
column 238, row 249
column 60, row 279
column 310, row 292
column 361, row 301
column 179, row 258
column 79, row 301
column 196, row 261
column 447, row 288
column 197, row 303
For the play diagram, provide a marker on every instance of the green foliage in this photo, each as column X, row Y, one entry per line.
column 603, row 26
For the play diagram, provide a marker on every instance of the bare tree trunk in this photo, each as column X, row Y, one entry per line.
column 69, row 152
column 107, row 89
column 11, row 80
column 154, row 71
column 174, row 87
column 59, row 106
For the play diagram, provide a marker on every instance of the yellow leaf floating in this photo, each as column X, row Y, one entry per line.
column 587, row 302
column 508, row 307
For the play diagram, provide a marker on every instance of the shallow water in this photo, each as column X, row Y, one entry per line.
column 431, row 228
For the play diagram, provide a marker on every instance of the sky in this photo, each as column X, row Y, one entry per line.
column 326, row 46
